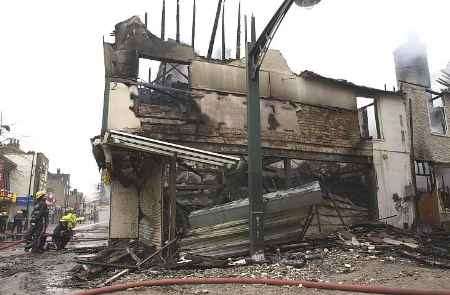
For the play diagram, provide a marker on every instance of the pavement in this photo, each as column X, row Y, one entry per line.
column 50, row 272
column 47, row 273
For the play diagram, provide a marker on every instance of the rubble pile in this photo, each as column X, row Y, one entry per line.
column 290, row 215
column 342, row 252
column 120, row 255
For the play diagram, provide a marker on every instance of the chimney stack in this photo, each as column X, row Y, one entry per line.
column 411, row 62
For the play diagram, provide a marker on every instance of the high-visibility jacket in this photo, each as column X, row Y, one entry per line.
column 71, row 220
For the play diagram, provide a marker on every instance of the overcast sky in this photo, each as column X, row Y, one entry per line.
column 51, row 62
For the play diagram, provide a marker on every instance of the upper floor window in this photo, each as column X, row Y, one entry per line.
column 424, row 176
column 368, row 118
column 438, row 117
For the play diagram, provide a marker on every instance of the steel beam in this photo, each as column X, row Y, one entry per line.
column 214, row 30
column 256, row 205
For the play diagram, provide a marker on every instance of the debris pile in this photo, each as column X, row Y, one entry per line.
column 290, row 216
column 343, row 252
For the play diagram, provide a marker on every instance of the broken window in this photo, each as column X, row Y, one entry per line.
column 148, row 69
column 424, row 176
column 438, row 118
column 444, row 195
column 168, row 81
column 164, row 74
column 368, row 118
column 173, row 75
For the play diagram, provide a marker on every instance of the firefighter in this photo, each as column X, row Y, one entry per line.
column 35, row 237
column 18, row 222
column 3, row 222
column 64, row 230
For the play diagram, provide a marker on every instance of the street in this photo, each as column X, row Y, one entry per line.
column 49, row 272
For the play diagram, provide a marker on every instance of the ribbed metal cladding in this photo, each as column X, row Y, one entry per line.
column 150, row 202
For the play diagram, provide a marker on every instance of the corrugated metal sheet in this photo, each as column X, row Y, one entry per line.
column 222, row 231
column 123, row 223
column 300, row 197
column 162, row 148
column 150, row 202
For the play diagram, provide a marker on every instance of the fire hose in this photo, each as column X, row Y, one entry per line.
column 10, row 245
column 262, row 281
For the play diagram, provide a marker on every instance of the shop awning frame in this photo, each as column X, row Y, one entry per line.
column 125, row 140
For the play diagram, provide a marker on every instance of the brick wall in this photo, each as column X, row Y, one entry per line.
column 427, row 146
column 222, row 119
column 328, row 126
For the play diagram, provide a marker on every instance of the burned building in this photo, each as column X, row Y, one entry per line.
column 429, row 117
column 176, row 140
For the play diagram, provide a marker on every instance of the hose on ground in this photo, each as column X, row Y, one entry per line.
column 10, row 245
column 263, row 281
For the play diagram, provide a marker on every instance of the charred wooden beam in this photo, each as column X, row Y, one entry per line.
column 163, row 20
column 104, row 264
column 287, row 169
column 253, row 29
column 169, row 91
column 214, row 30
column 193, row 25
column 245, row 30
column 223, row 31
column 133, row 41
column 162, row 76
column 238, row 34
column 195, row 187
column 178, row 71
column 178, row 21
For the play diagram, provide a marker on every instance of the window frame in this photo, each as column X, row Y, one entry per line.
column 377, row 119
column 429, row 103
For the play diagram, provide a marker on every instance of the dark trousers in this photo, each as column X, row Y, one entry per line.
column 2, row 226
column 19, row 226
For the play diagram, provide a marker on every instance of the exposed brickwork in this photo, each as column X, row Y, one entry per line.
column 222, row 120
column 427, row 146
column 329, row 127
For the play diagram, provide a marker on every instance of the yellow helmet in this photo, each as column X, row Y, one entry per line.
column 40, row 194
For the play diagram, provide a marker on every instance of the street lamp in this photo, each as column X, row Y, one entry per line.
column 256, row 51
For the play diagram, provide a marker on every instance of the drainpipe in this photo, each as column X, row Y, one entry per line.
column 413, row 165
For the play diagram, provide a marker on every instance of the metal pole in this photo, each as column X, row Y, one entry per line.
column 255, row 53
column 256, row 205
column 29, row 191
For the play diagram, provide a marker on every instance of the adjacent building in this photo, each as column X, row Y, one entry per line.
column 23, row 174
column 429, row 115
column 76, row 201
column 58, row 190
